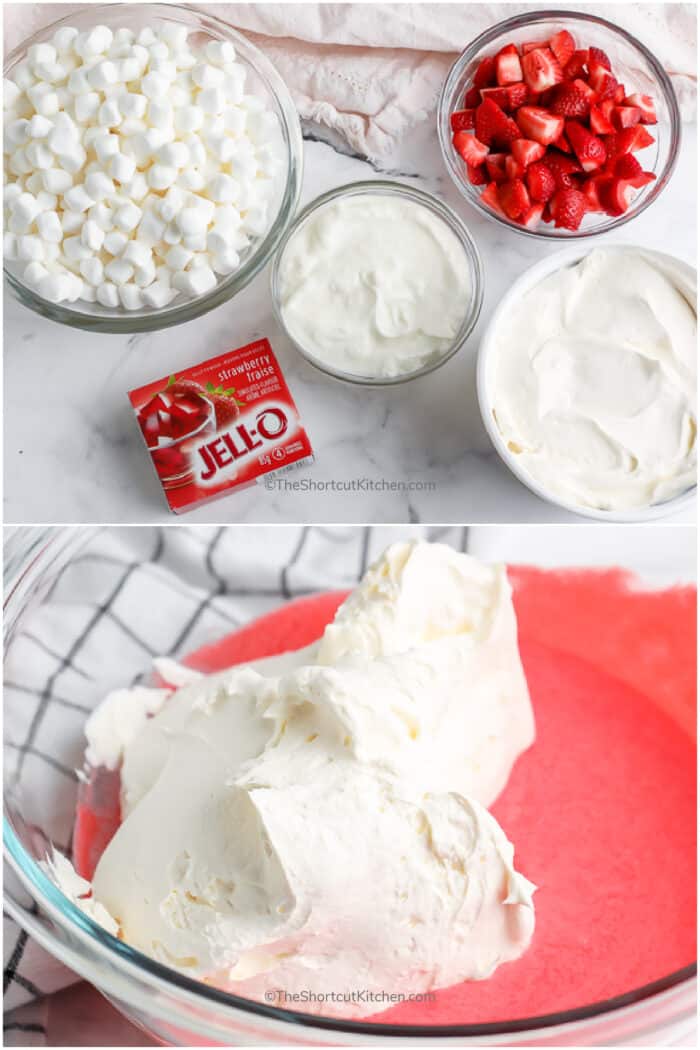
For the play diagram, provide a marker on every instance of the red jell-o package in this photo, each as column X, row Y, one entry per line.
column 220, row 425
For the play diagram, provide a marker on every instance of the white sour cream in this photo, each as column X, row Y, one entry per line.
column 592, row 380
column 374, row 286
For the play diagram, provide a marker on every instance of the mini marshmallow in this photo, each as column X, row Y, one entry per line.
column 108, row 295
column 72, row 158
column 255, row 219
column 19, row 164
column 173, row 34
column 178, row 257
column 161, row 176
column 145, row 274
column 197, row 149
column 172, row 234
column 109, row 114
column 192, row 221
column 87, row 106
column 172, row 203
column 154, row 85
column 129, row 69
column 158, row 295
column 133, row 105
column 30, row 248
column 174, row 155
column 41, row 53
column 234, row 84
column 33, row 273
column 95, row 41
column 25, row 209
column 189, row 118
column 119, row 271
column 234, row 120
column 127, row 217
column 55, row 287
column 78, row 199
column 10, row 93
column 191, row 179
column 196, row 242
column 74, row 249
column 46, row 201
column 39, row 127
column 17, row 132
column 106, row 146
column 137, row 253
column 212, row 100
column 44, row 99
column 151, row 228
column 165, row 68
column 64, row 39
column 115, row 242
column 71, row 220
column 23, row 76
column 49, row 226
column 12, row 191
column 92, row 235
column 78, row 83
column 98, row 185
column 160, row 114
column 122, row 168
column 195, row 282
column 138, row 187
column 39, row 155
column 32, row 184
column 101, row 214
column 206, row 75
column 9, row 247
column 123, row 36
column 220, row 52
column 131, row 297
column 92, row 270
column 51, row 72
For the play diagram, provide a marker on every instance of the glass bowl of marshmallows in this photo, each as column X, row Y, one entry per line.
column 152, row 163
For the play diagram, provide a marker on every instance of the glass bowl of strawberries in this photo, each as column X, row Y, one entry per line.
column 559, row 125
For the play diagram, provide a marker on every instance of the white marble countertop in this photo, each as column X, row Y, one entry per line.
column 73, row 451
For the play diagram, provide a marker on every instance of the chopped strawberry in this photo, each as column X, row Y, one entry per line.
column 508, row 69
column 496, row 167
column 589, row 149
column 477, row 174
column 626, row 117
column 619, row 94
column 572, row 99
column 568, row 208
column 463, row 120
column 469, row 148
column 627, row 166
column 490, row 197
column 598, row 55
column 599, row 123
column 643, row 180
column 493, row 125
column 618, row 196
column 526, row 151
column 541, row 70
column 472, row 98
column 534, row 45
column 562, row 143
column 563, row 170
column 540, row 182
column 499, row 95
column 606, row 107
column 563, row 46
column 517, row 95
column 628, row 141
column 514, row 170
column 601, row 80
column 531, row 218
column 592, row 189
column 513, row 198
column 576, row 66
column 485, row 75
column 645, row 105
column 538, row 124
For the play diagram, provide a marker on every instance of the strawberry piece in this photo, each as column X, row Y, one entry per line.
column 541, row 69
column 628, row 141
column 626, row 117
column 469, row 148
column 472, row 98
column 517, row 95
column 619, row 94
column 598, row 55
column 600, row 124
column 514, row 198
column 606, row 107
column 514, row 170
column 539, row 124
column 642, row 180
column 499, row 95
column 563, row 170
column 601, row 80
column 496, row 167
column 540, row 182
column 627, row 166
column 485, row 75
column 562, row 144
column 645, row 105
column 572, row 99
column 493, row 125
column 589, row 149
column 477, row 174
column 562, row 45
column 508, row 68
column 617, row 196
column 594, row 189
column 576, row 66
column 534, row 45
column 526, row 152
column 532, row 217
column 567, row 208
column 490, row 197
column 462, row 120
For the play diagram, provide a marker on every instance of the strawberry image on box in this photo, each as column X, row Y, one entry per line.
column 220, row 425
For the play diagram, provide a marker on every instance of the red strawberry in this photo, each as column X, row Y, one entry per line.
column 568, row 208
column 540, row 182
column 617, row 196
column 541, row 69
column 563, row 46
column 517, row 95
column 572, row 99
column 601, row 80
column 499, row 95
column 184, row 386
column 627, row 166
column 508, row 69
column 642, row 180
column 476, row 175
column 645, row 105
column 493, row 125
column 472, row 98
column 592, row 189
column 600, row 123
column 562, row 143
column 496, row 167
column 598, row 55
column 632, row 139
column 490, row 197
column 563, row 169
column 576, row 66
column 469, row 148
column 534, row 45
column 625, row 117
column 589, row 149
column 226, row 406
column 514, row 170
column 513, row 198
column 531, row 218
column 485, row 73
column 462, row 120
column 526, row 151
column 538, row 124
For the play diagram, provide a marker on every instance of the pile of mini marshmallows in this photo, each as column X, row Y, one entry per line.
column 137, row 168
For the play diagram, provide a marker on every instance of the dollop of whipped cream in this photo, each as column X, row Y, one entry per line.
column 316, row 821
column 593, row 376
column 374, row 286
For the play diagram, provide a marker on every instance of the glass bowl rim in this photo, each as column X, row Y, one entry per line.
column 437, row 206
column 531, row 19
column 134, row 964
column 127, row 323
column 526, row 280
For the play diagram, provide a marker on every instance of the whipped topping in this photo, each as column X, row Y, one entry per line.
column 315, row 821
column 374, row 286
column 592, row 380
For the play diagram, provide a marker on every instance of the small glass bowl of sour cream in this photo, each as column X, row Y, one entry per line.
column 377, row 283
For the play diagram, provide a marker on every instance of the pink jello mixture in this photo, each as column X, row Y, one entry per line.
column 602, row 809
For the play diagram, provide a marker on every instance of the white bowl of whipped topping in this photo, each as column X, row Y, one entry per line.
column 376, row 283
column 587, row 381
